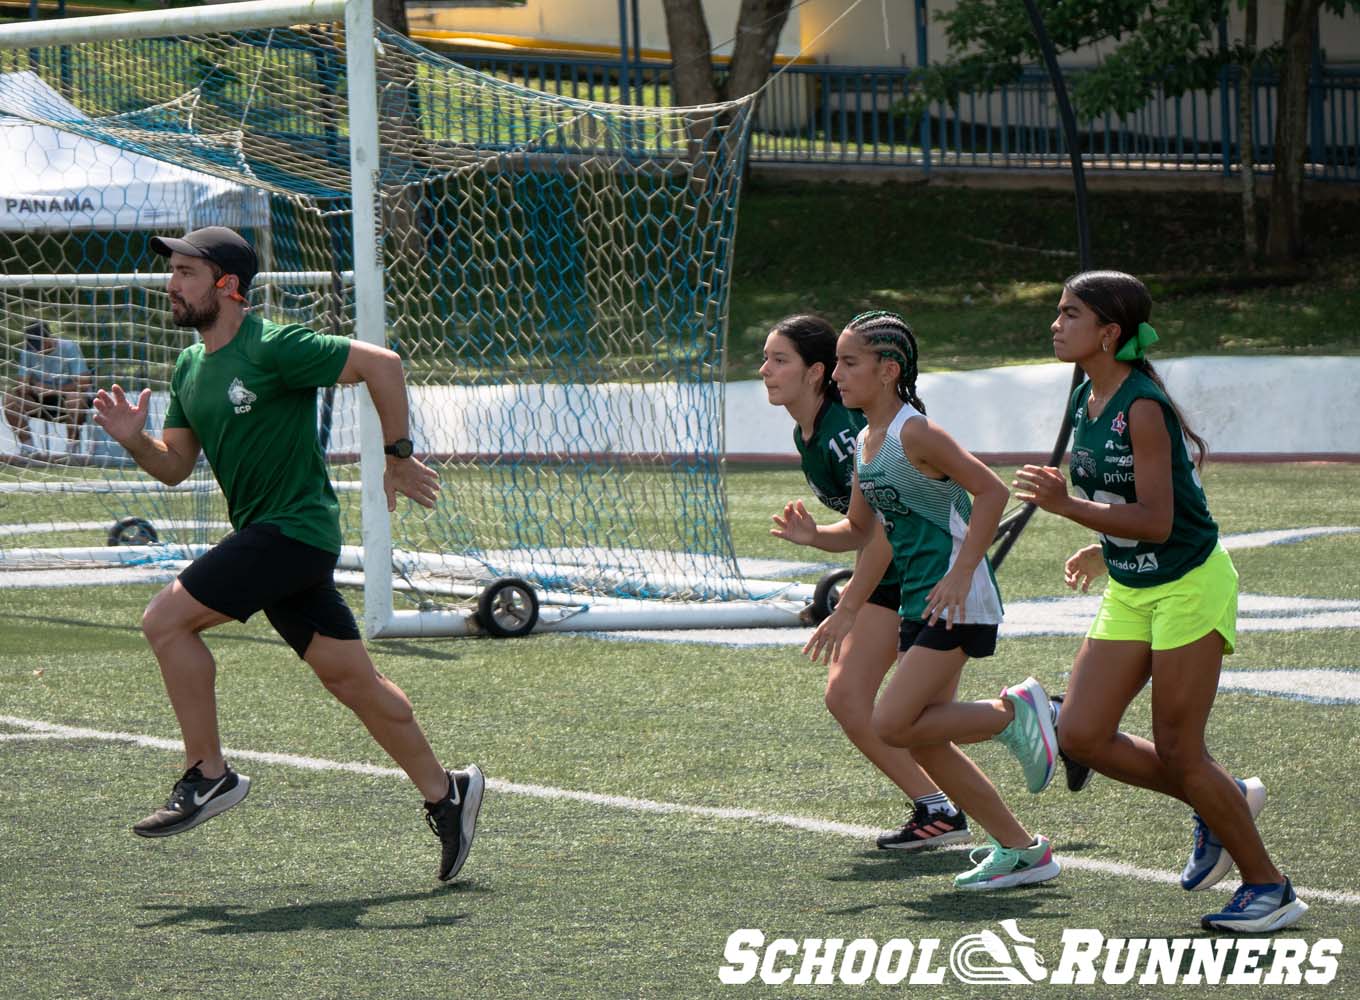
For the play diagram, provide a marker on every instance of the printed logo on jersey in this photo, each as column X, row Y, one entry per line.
column 1119, row 423
column 883, row 498
column 239, row 396
column 1145, row 563
column 1083, row 464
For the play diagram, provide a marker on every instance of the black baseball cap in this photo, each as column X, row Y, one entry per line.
column 223, row 246
column 34, row 334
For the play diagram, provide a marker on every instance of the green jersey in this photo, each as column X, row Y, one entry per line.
column 926, row 520
column 1102, row 470
column 252, row 406
column 828, row 460
column 828, row 457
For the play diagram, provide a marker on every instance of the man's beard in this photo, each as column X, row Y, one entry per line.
column 197, row 317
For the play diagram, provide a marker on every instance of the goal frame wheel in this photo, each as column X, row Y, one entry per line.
column 508, row 608
column 121, row 532
column 826, row 595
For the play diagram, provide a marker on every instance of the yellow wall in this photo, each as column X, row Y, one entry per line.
column 593, row 23
column 860, row 38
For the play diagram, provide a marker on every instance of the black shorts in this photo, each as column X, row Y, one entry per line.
column 259, row 568
column 886, row 595
column 975, row 640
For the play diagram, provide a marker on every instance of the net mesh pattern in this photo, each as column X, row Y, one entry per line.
column 556, row 277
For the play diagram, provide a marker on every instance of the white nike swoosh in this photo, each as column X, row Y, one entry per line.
column 200, row 799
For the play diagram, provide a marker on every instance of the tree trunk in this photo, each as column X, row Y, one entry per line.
column 759, row 23
column 393, row 14
column 1284, row 241
column 1246, row 139
column 692, row 73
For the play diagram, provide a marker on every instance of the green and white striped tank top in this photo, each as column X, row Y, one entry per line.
column 926, row 520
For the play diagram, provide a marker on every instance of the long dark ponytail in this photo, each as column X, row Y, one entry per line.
column 815, row 341
column 1116, row 297
column 890, row 336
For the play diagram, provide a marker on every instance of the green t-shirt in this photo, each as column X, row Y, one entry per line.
column 1102, row 470
column 828, row 460
column 252, row 405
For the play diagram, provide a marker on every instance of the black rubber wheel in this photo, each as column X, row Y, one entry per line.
column 133, row 531
column 825, row 596
column 508, row 608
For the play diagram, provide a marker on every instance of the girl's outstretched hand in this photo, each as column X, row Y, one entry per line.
column 795, row 524
column 824, row 646
column 1041, row 485
column 947, row 598
column 1083, row 567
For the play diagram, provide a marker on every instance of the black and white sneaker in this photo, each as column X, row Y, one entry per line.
column 927, row 829
column 1078, row 774
column 194, row 800
column 454, row 818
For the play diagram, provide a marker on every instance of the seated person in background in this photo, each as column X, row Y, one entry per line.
column 52, row 383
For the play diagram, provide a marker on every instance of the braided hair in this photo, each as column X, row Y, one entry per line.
column 815, row 341
column 1119, row 298
column 890, row 337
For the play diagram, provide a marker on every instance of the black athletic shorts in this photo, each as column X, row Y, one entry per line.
column 886, row 595
column 259, row 568
column 975, row 640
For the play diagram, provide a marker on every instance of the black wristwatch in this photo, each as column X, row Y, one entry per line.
column 400, row 448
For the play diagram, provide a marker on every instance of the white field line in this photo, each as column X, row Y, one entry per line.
column 17, row 737
column 47, row 729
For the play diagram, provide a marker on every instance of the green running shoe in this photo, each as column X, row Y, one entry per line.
column 1004, row 867
column 1030, row 735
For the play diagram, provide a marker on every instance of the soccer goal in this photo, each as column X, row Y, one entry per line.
column 554, row 272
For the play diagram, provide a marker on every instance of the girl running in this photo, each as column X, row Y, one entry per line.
column 859, row 640
column 940, row 507
column 1169, row 613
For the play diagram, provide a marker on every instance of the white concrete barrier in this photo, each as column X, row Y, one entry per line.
column 1266, row 407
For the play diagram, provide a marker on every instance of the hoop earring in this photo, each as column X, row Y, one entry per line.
column 1104, row 347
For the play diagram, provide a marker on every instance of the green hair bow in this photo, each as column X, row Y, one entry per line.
column 1136, row 346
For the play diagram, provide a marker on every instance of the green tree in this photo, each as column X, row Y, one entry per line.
column 1172, row 45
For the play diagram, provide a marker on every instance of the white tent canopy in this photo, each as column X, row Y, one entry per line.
column 56, row 181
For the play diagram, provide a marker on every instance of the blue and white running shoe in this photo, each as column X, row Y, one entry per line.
column 1209, row 862
column 1258, row 909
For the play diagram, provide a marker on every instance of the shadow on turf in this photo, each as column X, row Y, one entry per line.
column 331, row 915
column 135, row 627
column 970, row 907
column 896, row 866
column 391, row 647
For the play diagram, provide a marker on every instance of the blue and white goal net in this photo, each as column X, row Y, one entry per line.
column 554, row 273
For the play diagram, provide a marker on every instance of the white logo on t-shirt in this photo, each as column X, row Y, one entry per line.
column 240, row 396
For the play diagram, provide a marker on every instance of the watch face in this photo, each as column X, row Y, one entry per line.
column 401, row 448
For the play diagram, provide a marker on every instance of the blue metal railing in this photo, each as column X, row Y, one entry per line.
column 853, row 115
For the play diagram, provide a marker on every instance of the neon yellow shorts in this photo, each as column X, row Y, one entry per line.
column 1174, row 614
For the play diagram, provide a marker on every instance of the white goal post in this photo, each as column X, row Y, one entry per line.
column 555, row 273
